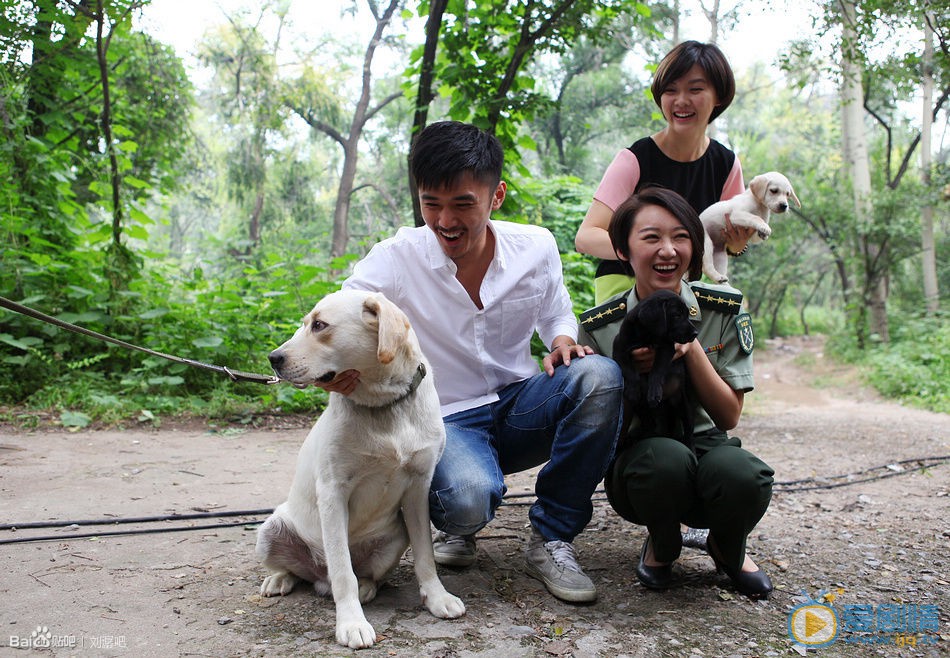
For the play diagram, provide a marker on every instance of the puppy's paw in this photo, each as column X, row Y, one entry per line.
column 278, row 584
column 765, row 231
column 442, row 604
column 722, row 279
column 368, row 589
column 355, row 634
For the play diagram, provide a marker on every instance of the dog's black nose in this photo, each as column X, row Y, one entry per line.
column 276, row 359
column 782, row 207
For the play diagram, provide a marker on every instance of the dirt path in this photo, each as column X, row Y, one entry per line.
column 880, row 541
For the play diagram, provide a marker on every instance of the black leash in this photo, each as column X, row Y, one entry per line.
column 235, row 375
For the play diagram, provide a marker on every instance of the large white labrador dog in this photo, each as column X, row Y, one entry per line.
column 360, row 492
column 767, row 193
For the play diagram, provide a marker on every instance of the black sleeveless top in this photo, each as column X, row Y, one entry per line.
column 700, row 182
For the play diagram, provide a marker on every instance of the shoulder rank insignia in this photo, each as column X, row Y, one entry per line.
column 744, row 329
column 603, row 314
column 717, row 299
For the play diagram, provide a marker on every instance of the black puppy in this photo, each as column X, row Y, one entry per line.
column 657, row 398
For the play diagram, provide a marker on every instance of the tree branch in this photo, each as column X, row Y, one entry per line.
column 905, row 162
column 319, row 125
column 383, row 103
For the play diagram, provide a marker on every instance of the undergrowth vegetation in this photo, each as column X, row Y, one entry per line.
column 915, row 366
column 236, row 317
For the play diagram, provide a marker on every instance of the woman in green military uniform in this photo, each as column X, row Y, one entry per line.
column 657, row 481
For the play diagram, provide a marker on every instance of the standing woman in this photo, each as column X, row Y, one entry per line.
column 692, row 86
column 658, row 481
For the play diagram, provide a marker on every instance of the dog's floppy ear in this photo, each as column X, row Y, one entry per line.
column 791, row 192
column 391, row 323
column 759, row 186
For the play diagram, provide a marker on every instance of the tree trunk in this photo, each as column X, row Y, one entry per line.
column 856, row 155
column 676, row 22
column 341, row 212
column 105, row 121
column 424, row 95
column 350, row 144
column 807, row 301
column 928, row 249
column 254, row 228
column 712, row 15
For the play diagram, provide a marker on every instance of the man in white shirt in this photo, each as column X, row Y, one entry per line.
column 475, row 291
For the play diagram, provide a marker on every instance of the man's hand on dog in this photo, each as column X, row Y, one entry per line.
column 562, row 352
column 344, row 383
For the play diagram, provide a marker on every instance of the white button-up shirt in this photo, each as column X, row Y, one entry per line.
column 474, row 352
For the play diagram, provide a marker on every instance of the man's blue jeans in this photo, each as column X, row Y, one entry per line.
column 571, row 420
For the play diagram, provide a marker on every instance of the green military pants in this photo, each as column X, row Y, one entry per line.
column 658, row 482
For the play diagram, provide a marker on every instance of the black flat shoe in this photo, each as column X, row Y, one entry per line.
column 754, row 584
column 653, row 577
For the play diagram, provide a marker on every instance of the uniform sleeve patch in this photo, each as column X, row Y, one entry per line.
column 718, row 300
column 744, row 330
column 604, row 314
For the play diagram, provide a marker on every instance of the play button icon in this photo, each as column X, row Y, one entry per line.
column 813, row 624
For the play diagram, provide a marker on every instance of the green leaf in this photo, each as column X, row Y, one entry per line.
column 140, row 216
column 75, row 419
column 207, row 341
column 137, row 232
column 137, row 183
column 20, row 343
column 153, row 313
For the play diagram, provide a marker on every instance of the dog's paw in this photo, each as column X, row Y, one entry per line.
column 278, row 584
column 765, row 231
column 722, row 279
column 356, row 634
column 368, row 589
column 443, row 605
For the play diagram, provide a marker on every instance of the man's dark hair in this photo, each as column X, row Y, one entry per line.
column 621, row 224
column 446, row 150
column 711, row 60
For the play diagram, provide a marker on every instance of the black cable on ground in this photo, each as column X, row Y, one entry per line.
column 786, row 486
column 924, row 463
column 133, row 519
column 116, row 533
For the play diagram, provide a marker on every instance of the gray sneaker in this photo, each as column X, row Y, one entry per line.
column 454, row 550
column 554, row 563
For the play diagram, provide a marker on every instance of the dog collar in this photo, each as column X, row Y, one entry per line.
column 413, row 385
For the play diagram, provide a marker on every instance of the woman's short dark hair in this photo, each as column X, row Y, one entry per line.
column 446, row 150
column 621, row 225
column 711, row 60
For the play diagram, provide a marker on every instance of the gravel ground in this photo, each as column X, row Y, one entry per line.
column 859, row 516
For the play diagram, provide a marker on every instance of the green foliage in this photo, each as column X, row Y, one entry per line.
column 600, row 103
column 244, row 198
column 234, row 319
column 915, row 367
column 485, row 47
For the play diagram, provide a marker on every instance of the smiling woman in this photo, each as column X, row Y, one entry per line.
column 693, row 85
column 703, row 476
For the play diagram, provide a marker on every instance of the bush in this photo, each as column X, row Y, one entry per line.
column 915, row 366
